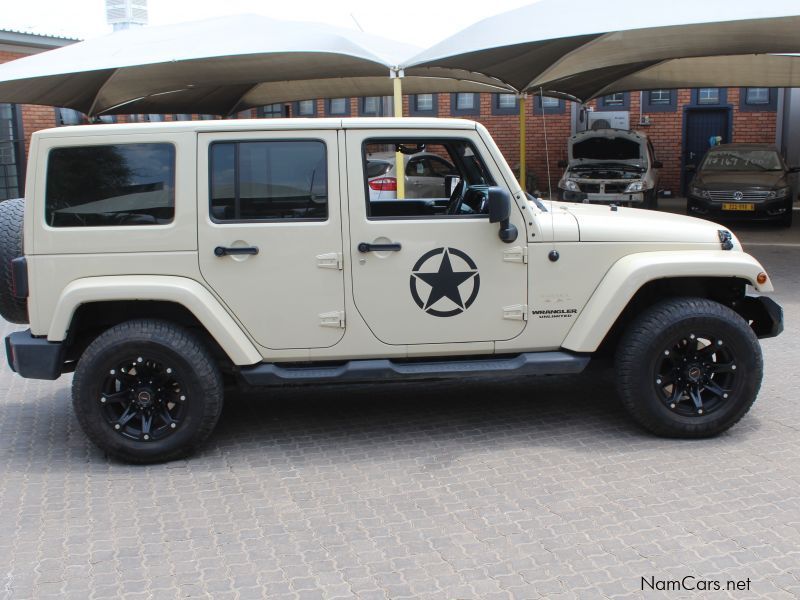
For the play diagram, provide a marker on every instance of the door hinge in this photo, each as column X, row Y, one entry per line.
column 516, row 312
column 331, row 260
column 516, row 254
column 332, row 319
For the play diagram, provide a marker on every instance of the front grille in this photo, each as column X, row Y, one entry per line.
column 747, row 195
column 590, row 188
column 616, row 188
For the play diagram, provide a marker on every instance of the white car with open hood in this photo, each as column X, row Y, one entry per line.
column 610, row 166
column 162, row 262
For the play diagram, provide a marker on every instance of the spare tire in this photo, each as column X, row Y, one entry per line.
column 12, row 214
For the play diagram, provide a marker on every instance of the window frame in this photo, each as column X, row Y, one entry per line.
column 416, row 112
column 427, row 140
column 538, row 109
column 770, row 106
column 476, row 107
column 602, row 102
column 296, row 108
column 701, row 102
column 347, row 110
column 236, row 143
column 170, row 223
column 504, row 110
column 649, row 107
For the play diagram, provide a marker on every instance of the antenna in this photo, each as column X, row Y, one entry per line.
column 124, row 14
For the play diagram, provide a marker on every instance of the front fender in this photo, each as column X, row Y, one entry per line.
column 631, row 272
column 180, row 290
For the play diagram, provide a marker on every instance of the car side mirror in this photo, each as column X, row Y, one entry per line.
column 562, row 164
column 657, row 164
column 691, row 168
column 500, row 212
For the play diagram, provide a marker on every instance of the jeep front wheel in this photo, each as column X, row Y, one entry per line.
column 688, row 367
column 147, row 391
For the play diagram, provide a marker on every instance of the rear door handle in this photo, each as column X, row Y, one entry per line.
column 365, row 247
column 223, row 251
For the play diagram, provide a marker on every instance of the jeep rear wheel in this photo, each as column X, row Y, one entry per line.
column 689, row 367
column 12, row 213
column 147, row 391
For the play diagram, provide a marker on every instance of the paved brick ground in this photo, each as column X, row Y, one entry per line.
column 527, row 489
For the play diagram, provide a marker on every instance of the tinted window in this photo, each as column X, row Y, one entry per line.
column 268, row 180
column 122, row 184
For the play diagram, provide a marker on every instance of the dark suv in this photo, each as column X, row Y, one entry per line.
column 742, row 181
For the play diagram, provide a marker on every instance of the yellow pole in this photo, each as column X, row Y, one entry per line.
column 399, row 163
column 522, row 148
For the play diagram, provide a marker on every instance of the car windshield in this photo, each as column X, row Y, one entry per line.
column 742, row 160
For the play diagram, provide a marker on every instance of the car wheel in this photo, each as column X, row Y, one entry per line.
column 689, row 368
column 651, row 200
column 147, row 391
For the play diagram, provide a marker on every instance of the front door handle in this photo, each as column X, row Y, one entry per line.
column 223, row 251
column 365, row 247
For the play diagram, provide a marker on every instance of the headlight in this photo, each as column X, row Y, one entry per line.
column 698, row 192
column 571, row 186
column 779, row 193
column 636, row 186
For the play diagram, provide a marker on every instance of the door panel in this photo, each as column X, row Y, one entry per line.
column 291, row 293
column 701, row 125
column 446, row 282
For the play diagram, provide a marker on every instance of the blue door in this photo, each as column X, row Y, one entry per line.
column 704, row 128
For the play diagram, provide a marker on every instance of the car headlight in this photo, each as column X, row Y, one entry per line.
column 571, row 186
column 779, row 193
column 698, row 192
column 636, row 186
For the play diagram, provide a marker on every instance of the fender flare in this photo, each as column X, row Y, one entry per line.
column 187, row 292
column 631, row 272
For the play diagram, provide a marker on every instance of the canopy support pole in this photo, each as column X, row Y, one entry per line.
column 399, row 164
column 522, row 142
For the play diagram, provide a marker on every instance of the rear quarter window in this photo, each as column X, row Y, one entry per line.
column 110, row 185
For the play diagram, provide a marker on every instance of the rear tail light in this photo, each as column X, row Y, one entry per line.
column 384, row 184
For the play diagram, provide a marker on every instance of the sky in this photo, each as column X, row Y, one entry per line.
column 86, row 18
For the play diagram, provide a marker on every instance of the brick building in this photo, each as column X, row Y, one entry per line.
column 677, row 121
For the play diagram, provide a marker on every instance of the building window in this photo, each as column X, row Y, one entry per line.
column 306, row 108
column 265, row 181
column 423, row 105
column 102, row 186
column 12, row 152
column 376, row 106
column 270, row 111
column 708, row 96
column 756, row 96
column 505, row 104
column 548, row 105
column 465, row 104
column 339, row 106
column 68, row 116
column 617, row 99
column 423, row 102
column 183, row 117
column 660, row 97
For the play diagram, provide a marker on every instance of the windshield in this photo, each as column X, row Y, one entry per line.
column 601, row 148
column 742, row 160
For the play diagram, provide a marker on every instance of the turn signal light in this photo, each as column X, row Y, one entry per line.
column 384, row 184
column 761, row 278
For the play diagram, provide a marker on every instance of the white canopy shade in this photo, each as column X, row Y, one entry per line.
column 580, row 50
column 218, row 66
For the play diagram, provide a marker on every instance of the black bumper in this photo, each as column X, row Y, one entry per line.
column 33, row 357
column 764, row 314
column 771, row 210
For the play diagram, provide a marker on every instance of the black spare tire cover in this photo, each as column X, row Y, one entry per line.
column 11, row 222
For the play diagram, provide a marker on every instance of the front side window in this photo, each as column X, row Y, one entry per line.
column 268, row 180
column 120, row 184
column 708, row 96
column 443, row 178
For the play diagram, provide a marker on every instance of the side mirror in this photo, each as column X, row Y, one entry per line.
column 691, row 168
column 562, row 164
column 500, row 212
column 657, row 164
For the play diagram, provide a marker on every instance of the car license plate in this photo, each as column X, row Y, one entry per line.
column 738, row 206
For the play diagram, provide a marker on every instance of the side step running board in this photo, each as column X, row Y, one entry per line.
column 531, row 363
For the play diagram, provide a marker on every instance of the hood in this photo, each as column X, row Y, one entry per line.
column 605, row 146
column 599, row 223
column 736, row 180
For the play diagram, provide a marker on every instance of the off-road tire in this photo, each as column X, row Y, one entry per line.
column 12, row 214
column 643, row 347
column 191, row 363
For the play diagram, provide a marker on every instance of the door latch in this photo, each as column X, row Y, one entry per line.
column 331, row 260
column 518, row 254
column 516, row 312
column 332, row 319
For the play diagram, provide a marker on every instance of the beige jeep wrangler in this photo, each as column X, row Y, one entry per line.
column 162, row 261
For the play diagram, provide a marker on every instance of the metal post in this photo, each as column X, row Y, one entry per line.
column 522, row 142
column 399, row 163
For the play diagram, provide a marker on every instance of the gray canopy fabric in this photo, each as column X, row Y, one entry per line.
column 218, row 66
column 580, row 51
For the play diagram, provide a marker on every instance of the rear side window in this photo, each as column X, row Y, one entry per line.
column 269, row 180
column 111, row 185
